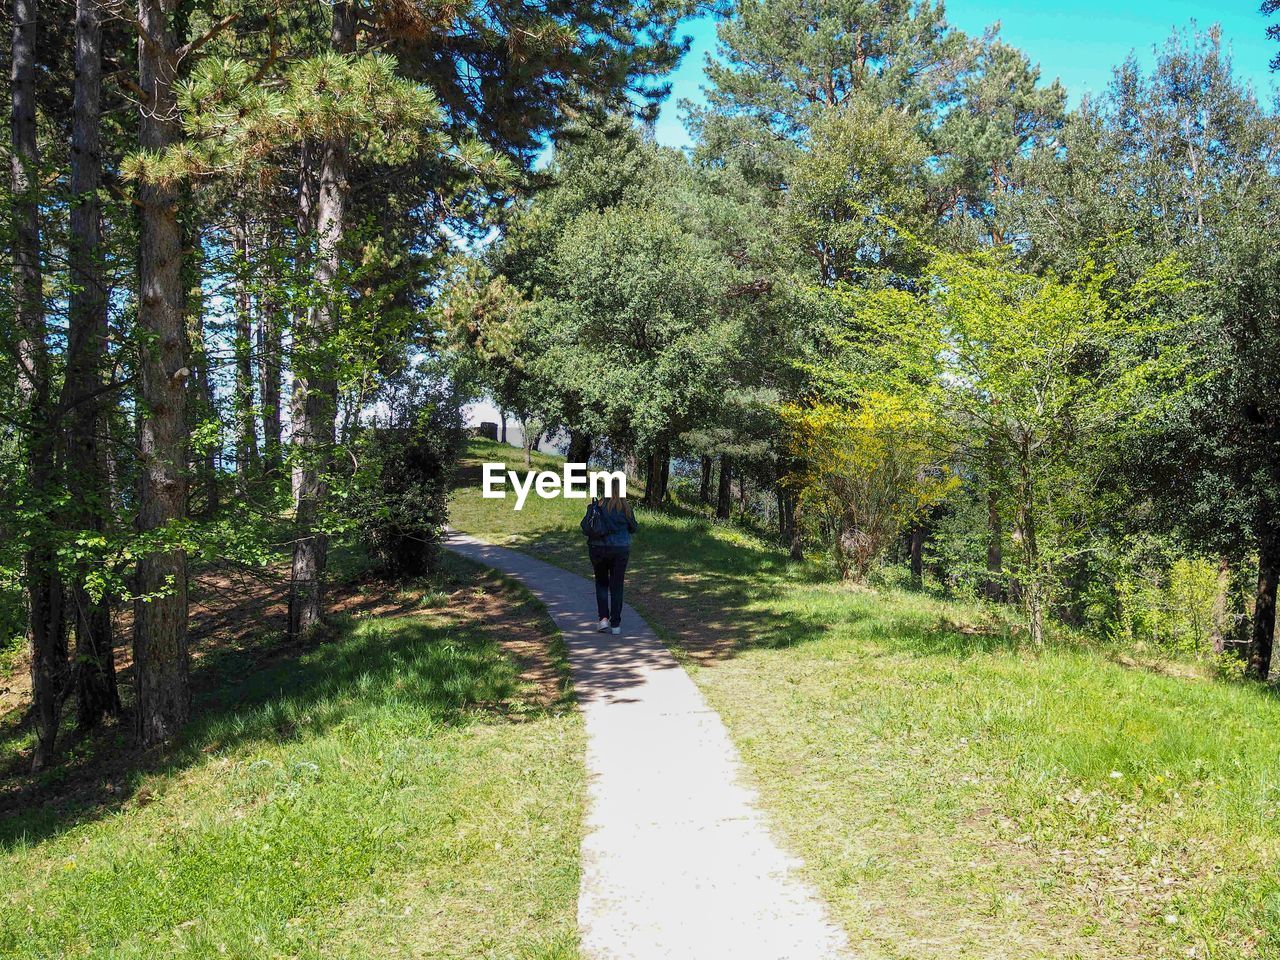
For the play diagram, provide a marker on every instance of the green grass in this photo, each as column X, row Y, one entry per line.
column 952, row 793
column 395, row 791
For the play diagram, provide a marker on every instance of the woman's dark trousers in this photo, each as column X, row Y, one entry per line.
column 610, row 566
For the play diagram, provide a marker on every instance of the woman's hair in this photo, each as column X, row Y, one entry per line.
column 616, row 502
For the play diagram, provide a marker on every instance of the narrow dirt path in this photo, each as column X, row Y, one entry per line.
column 677, row 860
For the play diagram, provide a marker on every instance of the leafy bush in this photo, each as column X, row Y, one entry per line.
column 1172, row 609
column 400, row 499
column 1162, row 601
column 869, row 472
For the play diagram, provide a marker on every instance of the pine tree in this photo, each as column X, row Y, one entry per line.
column 1269, row 9
column 315, row 386
column 85, row 392
column 45, row 610
column 160, row 613
column 1002, row 113
column 785, row 63
column 247, row 462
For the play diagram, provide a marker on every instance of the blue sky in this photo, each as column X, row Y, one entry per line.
column 1077, row 41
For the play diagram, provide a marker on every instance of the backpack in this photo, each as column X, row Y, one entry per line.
column 597, row 529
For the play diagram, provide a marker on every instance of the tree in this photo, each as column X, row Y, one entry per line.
column 45, row 614
column 1160, row 164
column 874, row 108
column 1001, row 113
column 783, row 63
column 638, row 324
column 869, row 472
column 85, row 389
column 859, row 184
column 314, row 401
column 1271, row 8
column 246, row 434
column 610, row 183
column 160, row 612
column 1040, row 375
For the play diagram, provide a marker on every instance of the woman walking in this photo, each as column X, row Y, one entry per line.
column 609, row 524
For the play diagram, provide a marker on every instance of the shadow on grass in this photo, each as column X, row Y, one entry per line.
column 270, row 691
column 709, row 596
column 713, row 589
column 713, row 596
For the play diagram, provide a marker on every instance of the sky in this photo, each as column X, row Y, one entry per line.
column 1076, row 41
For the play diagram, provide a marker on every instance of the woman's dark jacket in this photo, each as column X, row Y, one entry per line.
column 619, row 525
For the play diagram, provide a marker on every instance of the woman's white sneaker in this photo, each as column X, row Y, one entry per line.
column 615, row 630
column 603, row 626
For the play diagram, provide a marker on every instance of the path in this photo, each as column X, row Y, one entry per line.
column 677, row 860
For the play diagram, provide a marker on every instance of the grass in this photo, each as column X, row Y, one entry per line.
column 402, row 789
column 953, row 794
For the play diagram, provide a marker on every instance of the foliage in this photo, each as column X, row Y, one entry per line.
column 1040, row 376
column 1166, row 163
column 1270, row 8
column 641, row 295
column 400, row 498
column 1176, row 615
column 861, row 182
column 868, row 472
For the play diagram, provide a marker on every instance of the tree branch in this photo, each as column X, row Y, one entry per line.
column 187, row 49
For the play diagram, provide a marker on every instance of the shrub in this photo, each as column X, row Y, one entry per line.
column 400, row 500
column 869, row 472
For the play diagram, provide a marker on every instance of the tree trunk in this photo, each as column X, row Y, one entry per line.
column 1033, row 596
column 724, row 492
column 45, row 609
column 657, row 467
column 502, row 426
column 95, row 671
column 317, row 383
column 704, row 485
column 527, row 443
column 580, row 444
column 1264, row 608
column 1221, row 626
column 650, row 478
column 201, row 406
column 917, row 554
column 992, row 588
column 788, row 503
column 247, row 463
column 788, row 529
column 305, row 228
column 160, row 613
column 269, row 357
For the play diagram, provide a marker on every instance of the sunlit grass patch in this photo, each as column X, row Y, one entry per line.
column 394, row 791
